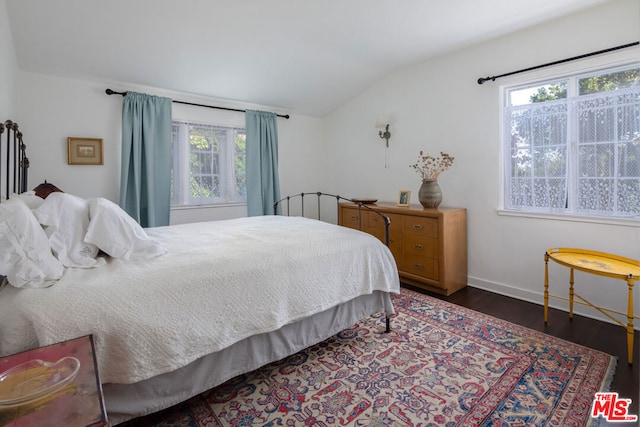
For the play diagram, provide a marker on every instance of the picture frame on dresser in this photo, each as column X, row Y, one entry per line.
column 404, row 198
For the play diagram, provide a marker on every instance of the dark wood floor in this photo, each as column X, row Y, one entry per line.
column 599, row 335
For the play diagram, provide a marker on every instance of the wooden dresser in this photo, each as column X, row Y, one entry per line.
column 429, row 245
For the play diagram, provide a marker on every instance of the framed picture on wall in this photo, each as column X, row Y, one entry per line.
column 85, row 151
column 404, row 198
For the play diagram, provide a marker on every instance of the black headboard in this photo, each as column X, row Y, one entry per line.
column 14, row 163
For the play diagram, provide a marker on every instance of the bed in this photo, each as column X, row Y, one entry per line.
column 177, row 310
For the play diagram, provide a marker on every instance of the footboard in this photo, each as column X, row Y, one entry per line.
column 285, row 205
column 287, row 202
column 14, row 163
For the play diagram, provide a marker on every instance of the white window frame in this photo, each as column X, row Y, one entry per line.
column 572, row 87
column 226, row 156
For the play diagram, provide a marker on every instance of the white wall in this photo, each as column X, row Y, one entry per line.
column 438, row 106
column 8, row 67
column 52, row 109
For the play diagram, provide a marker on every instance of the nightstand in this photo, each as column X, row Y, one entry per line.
column 54, row 385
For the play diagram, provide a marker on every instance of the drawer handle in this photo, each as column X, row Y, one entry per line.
column 417, row 226
column 417, row 246
column 354, row 217
column 418, row 265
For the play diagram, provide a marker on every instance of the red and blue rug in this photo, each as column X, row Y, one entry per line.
column 442, row 365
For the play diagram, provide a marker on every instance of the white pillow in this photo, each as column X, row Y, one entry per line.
column 117, row 234
column 25, row 259
column 29, row 198
column 66, row 218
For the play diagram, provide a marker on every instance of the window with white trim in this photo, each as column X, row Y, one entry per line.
column 208, row 164
column 572, row 145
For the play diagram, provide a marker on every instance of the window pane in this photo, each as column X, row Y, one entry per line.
column 628, row 113
column 540, row 93
column 628, row 192
column 203, row 186
column 596, row 119
column 549, row 124
column 550, row 193
column 202, row 162
column 175, row 158
column 608, row 125
column 596, row 160
column 200, row 139
column 538, row 156
column 629, row 159
column 550, row 162
column 240, row 159
column 206, row 159
column 608, row 82
column 521, row 194
column 596, row 195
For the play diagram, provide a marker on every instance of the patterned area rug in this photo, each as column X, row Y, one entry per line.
column 442, row 365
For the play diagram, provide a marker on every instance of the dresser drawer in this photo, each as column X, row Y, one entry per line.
column 372, row 223
column 373, row 220
column 362, row 219
column 421, row 227
column 421, row 247
column 351, row 218
column 420, row 266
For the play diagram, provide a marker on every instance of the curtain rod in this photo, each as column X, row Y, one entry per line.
column 113, row 92
column 481, row 80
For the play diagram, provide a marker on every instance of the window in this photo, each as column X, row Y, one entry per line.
column 572, row 145
column 208, row 164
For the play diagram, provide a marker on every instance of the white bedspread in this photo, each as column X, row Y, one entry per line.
column 218, row 283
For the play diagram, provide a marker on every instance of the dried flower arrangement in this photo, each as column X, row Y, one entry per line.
column 429, row 167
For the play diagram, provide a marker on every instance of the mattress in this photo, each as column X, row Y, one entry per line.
column 127, row 401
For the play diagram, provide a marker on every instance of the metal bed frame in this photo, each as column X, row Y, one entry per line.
column 338, row 198
column 14, row 161
column 319, row 195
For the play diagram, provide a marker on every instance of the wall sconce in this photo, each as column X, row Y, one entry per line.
column 384, row 133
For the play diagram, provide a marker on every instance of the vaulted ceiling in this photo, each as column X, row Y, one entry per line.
column 302, row 56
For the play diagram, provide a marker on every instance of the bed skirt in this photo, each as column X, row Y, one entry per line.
column 127, row 401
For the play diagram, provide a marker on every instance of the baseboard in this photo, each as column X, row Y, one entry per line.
column 536, row 298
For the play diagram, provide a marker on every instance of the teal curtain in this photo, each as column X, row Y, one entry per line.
column 145, row 178
column 263, row 187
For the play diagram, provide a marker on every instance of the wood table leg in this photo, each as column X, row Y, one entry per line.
column 571, row 294
column 546, row 287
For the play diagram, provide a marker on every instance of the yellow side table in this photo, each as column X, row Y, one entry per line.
column 601, row 264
